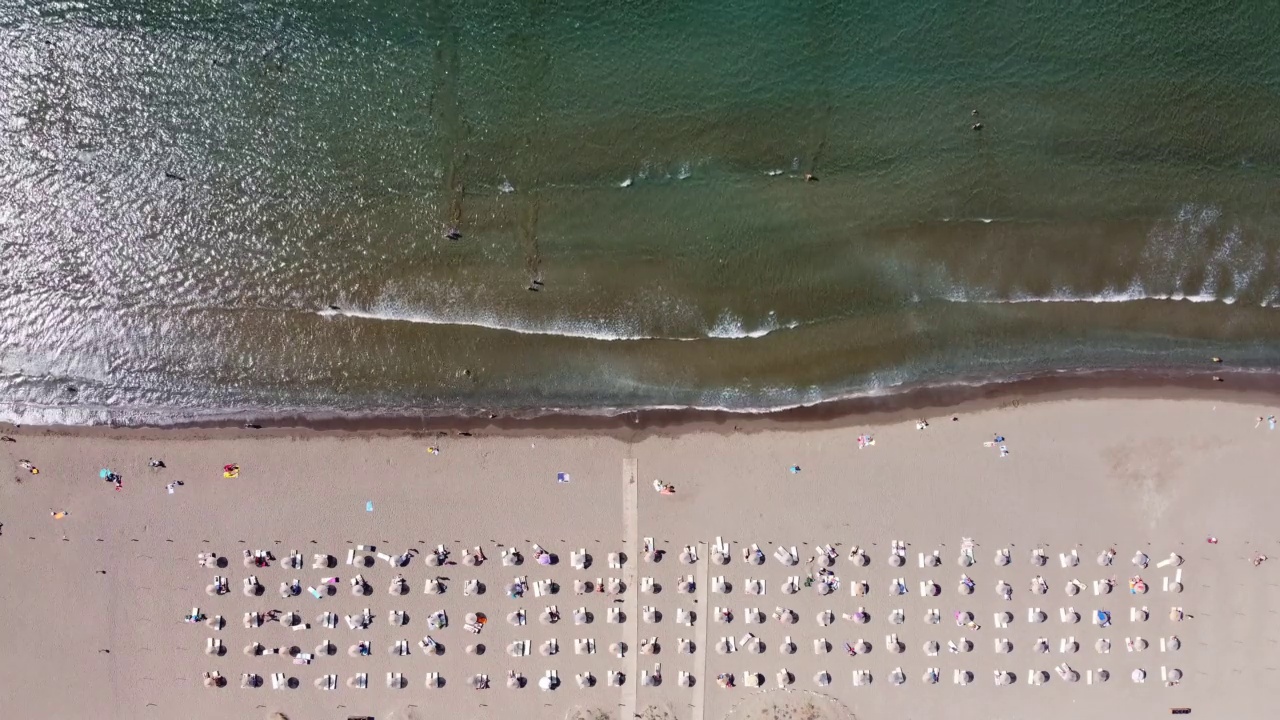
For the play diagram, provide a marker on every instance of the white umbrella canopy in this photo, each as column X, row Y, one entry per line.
column 1175, row 675
column 897, row 677
column 826, row 617
column 823, row 678
column 859, row 558
column 1003, row 678
column 687, row 647
column 686, row 680
column 1174, row 643
column 579, row 586
column 686, row 557
column 618, row 648
column 784, row 678
column 787, row 648
column 515, row 681
column 896, row 560
column 722, row 646
column 719, row 558
column 586, row 680
column 544, row 683
column 931, row 647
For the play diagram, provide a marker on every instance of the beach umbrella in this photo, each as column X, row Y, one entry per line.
column 823, row 679
column 470, row 559
column 787, row 648
column 514, row 618
column 616, row 587
column 432, row 559
column 1102, row 675
column 686, row 647
column 826, row 560
column 932, row 589
column 514, row 681
column 686, row 557
column 859, row 558
column 1175, row 587
column 784, row 678
column 963, row 616
column 1005, row 647
column 722, row 646
column 580, row 617
column 755, row 616
column 478, row 682
column 477, row 649
column 472, row 618
column 1140, row 559
column 650, row 556
column 1174, row 643
column 1103, row 645
column 1002, row 558
column 964, row 560
column 544, row 683
column 756, row 646
column 931, row 647
column 930, row 677
column 719, row 558
column 787, row 617
column 1038, row 559
column 544, row 559
column 651, row 615
column 1004, row 590
column 965, row 645
column 647, row 648
column 1138, row 675
column 964, row 588
column 618, row 648
column 863, row 647
column 547, row 649
column 896, row 560
column 210, row 681
column 1175, row 675
column 514, row 649
column 325, row 648
column 434, row 682
column 897, row 677
column 1038, row 616
column 686, row 680
column 1003, row 678
column 546, row 618
column 585, row 680
column 1104, row 558
column 822, row 647
column 579, row 586
column 823, row 588
column 790, row 588
column 686, row 586
column 357, row 589
column 1072, row 588
column 826, row 617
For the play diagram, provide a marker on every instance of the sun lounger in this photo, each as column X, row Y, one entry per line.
column 1066, row 643
column 395, row 680
column 1165, row 563
column 614, row 615
column 351, row 556
column 820, row 646
column 646, row 585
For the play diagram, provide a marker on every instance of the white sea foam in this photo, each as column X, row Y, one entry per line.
column 728, row 327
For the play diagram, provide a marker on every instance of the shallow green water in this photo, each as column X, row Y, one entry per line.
column 184, row 191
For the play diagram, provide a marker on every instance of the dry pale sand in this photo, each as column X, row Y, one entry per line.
column 1157, row 476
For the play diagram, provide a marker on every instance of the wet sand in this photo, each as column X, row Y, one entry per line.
column 1086, row 475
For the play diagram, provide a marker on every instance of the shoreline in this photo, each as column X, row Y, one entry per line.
column 899, row 406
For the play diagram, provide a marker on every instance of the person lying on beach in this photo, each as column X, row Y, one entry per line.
column 1258, row 559
column 26, row 465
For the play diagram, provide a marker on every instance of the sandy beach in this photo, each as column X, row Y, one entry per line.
column 96, row 599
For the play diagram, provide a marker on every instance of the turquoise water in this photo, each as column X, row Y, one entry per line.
column 186, row 190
